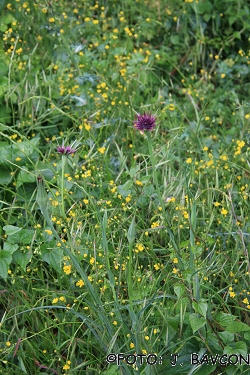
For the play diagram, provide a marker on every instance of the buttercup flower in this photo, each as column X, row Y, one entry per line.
column 145, row 122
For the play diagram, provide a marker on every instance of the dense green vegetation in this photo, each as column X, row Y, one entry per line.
column 116, row 240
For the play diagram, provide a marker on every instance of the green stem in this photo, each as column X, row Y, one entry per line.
column 64, row 161
column 150, row 147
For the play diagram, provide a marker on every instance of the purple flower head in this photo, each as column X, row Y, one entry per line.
column 66, row 150
column 145, row 122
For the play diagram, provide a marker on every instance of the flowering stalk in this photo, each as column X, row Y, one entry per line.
column 155, row 179
column 65, row 151
column 64, row 161
column 146, row 123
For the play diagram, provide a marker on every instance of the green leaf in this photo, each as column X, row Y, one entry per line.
column 179, row 289
column 247, row 336
column 201, row 307
column 131, row 232
column 236, row 327
column 22, row 258
column 5, row 153
column 196, row 322
column 3, row 68
column 5, row 256
column 111, row 278
column 5, row 176
column 204, row 7
column 3, row 85
column 237, row 35
column 11, row 229
column 24, row 236
column 53, row 257
column 124, row 189
column 5, row 260
column 25, row 176
column 226, row 337
column 224, row 319
column 11, row 248
column 3, row 269
column 133, row 171
column 239, row 347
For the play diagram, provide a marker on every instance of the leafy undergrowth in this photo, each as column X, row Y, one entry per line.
column 124, row 251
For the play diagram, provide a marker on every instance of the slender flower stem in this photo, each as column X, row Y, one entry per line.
column 159, row 192
column 64, row 161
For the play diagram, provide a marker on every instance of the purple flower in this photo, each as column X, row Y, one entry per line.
column 145, row 122
column 67, row 150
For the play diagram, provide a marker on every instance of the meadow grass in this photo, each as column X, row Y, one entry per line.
column 116, row 240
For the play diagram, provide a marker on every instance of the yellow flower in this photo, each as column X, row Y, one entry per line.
column 55, row 300
column 80, row 283
column 51, row 19
column 224, row 211
column 189, row 160
column 66, row 367
column 155, row 224
column 18, row 159
column 101, row 150
column 67, row 269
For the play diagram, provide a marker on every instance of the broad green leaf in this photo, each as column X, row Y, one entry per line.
column 3, row 269
column 25, row 176
column 53, row 257
column 226, row 337
column 24, row 236
column 204, row 7
column 124, row 189
column 134, row 170
column 5, row 260
column 11, row 229
column 5, row 256
column 5, row 176
column 200, row 307
column 224, row 319
column 239, row 347
column 11, row 248
column 179, row 289
column 196, row 322
column 22, row 258
column 236, row 327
